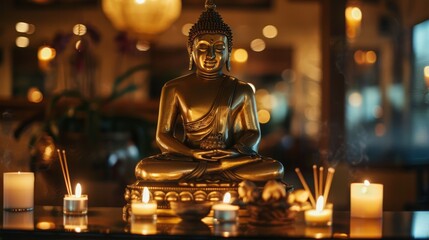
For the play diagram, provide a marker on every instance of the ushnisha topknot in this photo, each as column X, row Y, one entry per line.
column 210, row 22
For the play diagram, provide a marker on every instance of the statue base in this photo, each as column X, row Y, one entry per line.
column 166, row 192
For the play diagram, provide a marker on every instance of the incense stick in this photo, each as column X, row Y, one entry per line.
column 316, row 185
column 304, row 184
column 67, row 171
column 331, row 172
column 64, row 171
column 321, row 180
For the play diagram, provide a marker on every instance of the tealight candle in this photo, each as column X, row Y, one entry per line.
column 18, row 191
column 145, row 208
column 366, row 200
column 225, row 212
column 76, row 204
column 320, row 216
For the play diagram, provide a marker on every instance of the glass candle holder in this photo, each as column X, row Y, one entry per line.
column 75, row 205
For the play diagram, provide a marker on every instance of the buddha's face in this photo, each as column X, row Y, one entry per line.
column 210, row 52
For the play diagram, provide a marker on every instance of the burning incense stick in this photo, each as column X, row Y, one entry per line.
column 67, row 171
column 64, row 169
column 331, row 172
column 304, row 184
column 320, row 181
column 316, row 185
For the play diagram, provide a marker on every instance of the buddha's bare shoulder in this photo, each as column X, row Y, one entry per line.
column 242, row 86
column 179, row 81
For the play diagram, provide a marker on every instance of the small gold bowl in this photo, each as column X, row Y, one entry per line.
column 191, row 210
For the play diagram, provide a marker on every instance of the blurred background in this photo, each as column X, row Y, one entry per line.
column 339, row 84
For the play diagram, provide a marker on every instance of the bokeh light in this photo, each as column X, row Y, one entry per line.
column 22, row 42
column 79, row 29
column 185, row 28
column 23, row 27
column 46, row 53
column 240, row 55
column 34, row 95
column 143, row 46
column 355, row 99
column 270, row 31
column 257, row 45
column 263, row 116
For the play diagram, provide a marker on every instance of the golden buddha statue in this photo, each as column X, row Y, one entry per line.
column 208, row 129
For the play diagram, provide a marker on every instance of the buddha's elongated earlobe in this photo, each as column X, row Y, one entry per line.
column 228, row 63
column 191, row 62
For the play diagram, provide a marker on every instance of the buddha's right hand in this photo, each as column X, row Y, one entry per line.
column 204, row 155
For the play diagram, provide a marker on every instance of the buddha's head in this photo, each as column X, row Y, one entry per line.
column 210, row 41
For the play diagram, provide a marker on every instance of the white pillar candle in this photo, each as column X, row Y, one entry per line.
column 145, row 208
column 366, row 200
column 225, row 212
column 18, row 191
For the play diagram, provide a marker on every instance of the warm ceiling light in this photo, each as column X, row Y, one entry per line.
column 142, row 18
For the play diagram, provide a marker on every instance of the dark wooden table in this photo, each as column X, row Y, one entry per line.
column 48, row 222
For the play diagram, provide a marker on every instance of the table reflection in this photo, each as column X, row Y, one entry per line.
column 366, row 228
column 318, row 232
column 75, row 223
column 225, row 229
column 195, row 227
column 18, row 220
column 143, row 226
column 101, row 223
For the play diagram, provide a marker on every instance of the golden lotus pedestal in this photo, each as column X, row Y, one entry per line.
column 166, row 192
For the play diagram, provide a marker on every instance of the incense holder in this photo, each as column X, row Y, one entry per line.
column 270, row 205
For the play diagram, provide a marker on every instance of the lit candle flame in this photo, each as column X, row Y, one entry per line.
column 145, row 195
column 78, row 190
column 227, row 198
column 319, row 204
column 366, row 185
